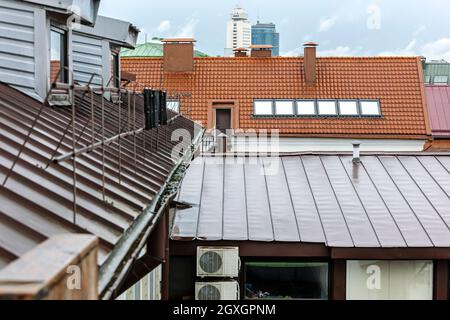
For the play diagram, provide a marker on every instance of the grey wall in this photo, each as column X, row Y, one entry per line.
column 19, row 40
column 88, row 57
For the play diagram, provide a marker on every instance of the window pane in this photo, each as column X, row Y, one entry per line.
column 115, row 69
column 370, row 108
column 263, row 108
column 389, row 280
column 327, row 107
column 58, row 56
column 286, row 280
column 427, row 79
column 440, row 79
column 284, row 108
column 306, row 108
column 348, row 108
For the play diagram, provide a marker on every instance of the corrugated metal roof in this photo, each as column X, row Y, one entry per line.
column 385, row 201
column 438, row 98
column 150, row 49
column 37, row 201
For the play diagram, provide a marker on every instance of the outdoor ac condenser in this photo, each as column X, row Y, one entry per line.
column 219, row 262
column 227, row 290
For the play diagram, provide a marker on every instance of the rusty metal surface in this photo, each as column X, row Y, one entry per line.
column 112, row 189
column 386, row 201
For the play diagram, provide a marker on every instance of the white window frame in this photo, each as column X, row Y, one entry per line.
column 266, row 114
column 347, row 114
column 335, row 114
column 302, row 114
column 363, row 114
column 292, row 113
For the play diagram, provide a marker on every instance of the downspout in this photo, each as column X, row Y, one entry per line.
column 116, row 266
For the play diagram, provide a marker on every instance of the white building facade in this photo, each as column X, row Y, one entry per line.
column 239, row 31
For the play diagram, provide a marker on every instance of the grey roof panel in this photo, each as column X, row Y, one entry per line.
column 210, row 225
column 384, row 201
column 435, row 227
column 260, row 226
column 335, row 226
column 381, row 218
column 284, row 220
column 410, row 227
column 234, row 202
column 308, row 219
column 354, row 212
column 186, row 221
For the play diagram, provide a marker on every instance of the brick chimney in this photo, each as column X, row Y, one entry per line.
column 240, row 52
column 179, row 55
column 261, row 51
column 310, row 65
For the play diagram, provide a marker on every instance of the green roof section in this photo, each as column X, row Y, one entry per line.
column 150, row 49
column 437, row 71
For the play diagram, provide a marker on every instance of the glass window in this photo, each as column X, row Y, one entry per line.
column 263, row 108
column 58, row 55
column 173, row 105
column 389, row 280
column 284, row 107
column 286, row 280
column 427, row 79
column 306, row 108
column 348, row 108
column 440, row 80
column 327, row 108
column 115, row 71
column 370, row 108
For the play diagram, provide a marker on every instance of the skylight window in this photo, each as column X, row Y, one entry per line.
column 263, row 108
column 317, row 108
column 327, row 108
column 348, row 108
column 370, row 108
column 284, row 108
column 440, row 80
column 306, row 108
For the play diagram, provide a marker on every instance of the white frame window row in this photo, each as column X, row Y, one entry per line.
column 312, row 108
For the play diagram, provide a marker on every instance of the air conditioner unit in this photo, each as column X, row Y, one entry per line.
column 220, row 262
column 228, row 290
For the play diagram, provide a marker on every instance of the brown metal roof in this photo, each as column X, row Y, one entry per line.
column 389, row 201
column 37, row 199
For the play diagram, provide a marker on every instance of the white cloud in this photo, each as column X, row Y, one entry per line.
column 406, row 51
column 188, row 30
column 164, row 26
column 437, row 50
column 327, row 24
column 339, row 51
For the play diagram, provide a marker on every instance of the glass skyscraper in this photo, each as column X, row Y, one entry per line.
column 266, row 33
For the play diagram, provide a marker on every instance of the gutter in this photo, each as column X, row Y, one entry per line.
column 115, row 268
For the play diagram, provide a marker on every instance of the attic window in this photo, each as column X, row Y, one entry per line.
column 370, row 108
column 348, row 108
column 285, row 108
column 440, row 80
column 58, row 55
column 327, row 108
column 115, row 68
column 263, row 108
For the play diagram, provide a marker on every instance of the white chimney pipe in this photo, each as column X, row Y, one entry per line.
column 356, row 151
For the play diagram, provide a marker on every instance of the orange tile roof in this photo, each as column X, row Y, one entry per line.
column 395, row 81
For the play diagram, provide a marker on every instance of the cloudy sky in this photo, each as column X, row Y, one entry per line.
column 344, row 27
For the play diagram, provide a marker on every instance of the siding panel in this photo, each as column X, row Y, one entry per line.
column 87, row 59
